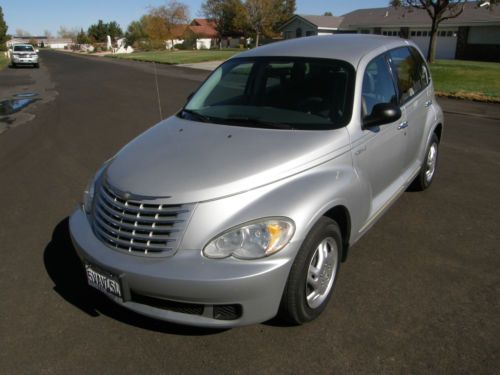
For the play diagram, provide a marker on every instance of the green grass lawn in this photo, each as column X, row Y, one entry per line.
column 179, row 57
column 4, row 61
column 454, row 78
column 467, row 79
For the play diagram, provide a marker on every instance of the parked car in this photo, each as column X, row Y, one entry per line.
column 243, row 204
column 24, row 54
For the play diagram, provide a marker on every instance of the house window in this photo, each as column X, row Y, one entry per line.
column 298, row 32
column 424, row 33
column 310, row 33
column 449, row 34
column 419, row 33
column 413, row 33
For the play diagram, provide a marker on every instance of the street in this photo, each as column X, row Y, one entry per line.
column 418, row 294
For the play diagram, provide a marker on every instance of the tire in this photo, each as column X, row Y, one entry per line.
column 303, row 299
column 12, row 65
column 37, row 65
column 428, row 170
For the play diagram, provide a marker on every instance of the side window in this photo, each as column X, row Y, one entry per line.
column 411, row 71
column 378, row 86
column 422, row 73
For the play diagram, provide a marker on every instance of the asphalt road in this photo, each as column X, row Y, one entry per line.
column 418, row 294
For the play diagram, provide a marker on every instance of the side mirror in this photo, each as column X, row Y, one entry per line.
column 382, row 113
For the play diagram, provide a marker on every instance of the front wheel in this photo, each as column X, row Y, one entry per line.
column 313, row 274
column 37, row 66
column 428, row 169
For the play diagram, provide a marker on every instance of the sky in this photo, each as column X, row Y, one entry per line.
column 36, row 16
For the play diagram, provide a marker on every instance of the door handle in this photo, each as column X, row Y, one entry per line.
column 428, row 103
column 403, row 125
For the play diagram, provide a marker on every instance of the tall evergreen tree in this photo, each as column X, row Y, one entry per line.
column 3, row 32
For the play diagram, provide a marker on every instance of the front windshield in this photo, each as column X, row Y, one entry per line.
column 23, row 49
column 288, row 93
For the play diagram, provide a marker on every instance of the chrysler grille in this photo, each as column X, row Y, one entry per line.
column 138, row 227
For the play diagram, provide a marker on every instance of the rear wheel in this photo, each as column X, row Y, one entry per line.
column 37, row 65
column 428, row 169
column 313, row 274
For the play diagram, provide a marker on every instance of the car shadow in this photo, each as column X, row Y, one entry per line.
column 66, row 271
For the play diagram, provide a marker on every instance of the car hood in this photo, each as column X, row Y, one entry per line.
column 188, row 161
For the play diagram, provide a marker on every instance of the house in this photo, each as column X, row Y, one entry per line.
column 201, row 33
column 305, row 25
column 58, row 43
column 474, row 35
column 205, row 32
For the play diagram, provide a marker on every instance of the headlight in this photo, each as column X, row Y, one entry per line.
column 252, row 240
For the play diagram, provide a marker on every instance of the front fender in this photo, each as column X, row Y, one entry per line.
column 304, row 198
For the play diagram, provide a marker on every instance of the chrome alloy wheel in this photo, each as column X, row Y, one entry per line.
column 321, row 272
column 431, row 162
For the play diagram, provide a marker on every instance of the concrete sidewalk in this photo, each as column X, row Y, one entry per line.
column 207, row 65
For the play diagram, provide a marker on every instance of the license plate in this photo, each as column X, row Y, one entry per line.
column 103, row 281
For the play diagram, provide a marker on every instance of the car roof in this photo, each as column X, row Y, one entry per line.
column 346, row 47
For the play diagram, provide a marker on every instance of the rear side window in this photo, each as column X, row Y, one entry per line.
column 412, row 74
column 378, row 85
column 422, row 73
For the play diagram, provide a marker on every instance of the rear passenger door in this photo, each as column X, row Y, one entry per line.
column 413, row 81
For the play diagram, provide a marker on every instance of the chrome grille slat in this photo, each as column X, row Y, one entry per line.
column 174, row 210
column 146, row 219
column 137, row 227
column 158, row 229
column 132, row 235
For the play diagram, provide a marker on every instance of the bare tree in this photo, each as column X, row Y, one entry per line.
column 65, row 32
column 47, row 33
column 21, row 32
column 438, row 11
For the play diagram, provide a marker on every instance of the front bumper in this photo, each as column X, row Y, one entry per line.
column 254, row 287
column 25, row 60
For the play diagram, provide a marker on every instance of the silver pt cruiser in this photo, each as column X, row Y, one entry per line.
column 243, row 205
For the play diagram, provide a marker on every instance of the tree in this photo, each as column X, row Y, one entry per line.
column 47, row 34
column 136, row 31
column 261, row 16
column 114, row 30
column 229, row 16
column 67, row 33
column 21, row 32
column 438, row 11
column 330, row 14
column 173, row 15
column 285, row 10
column 3, row 32
column 82, row 38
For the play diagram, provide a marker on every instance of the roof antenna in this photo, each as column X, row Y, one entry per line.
column 158, row 91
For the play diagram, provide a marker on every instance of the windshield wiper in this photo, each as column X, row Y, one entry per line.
column 197, row 116
column 252, row 122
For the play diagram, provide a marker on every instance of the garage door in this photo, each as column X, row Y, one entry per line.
column 446, row 44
